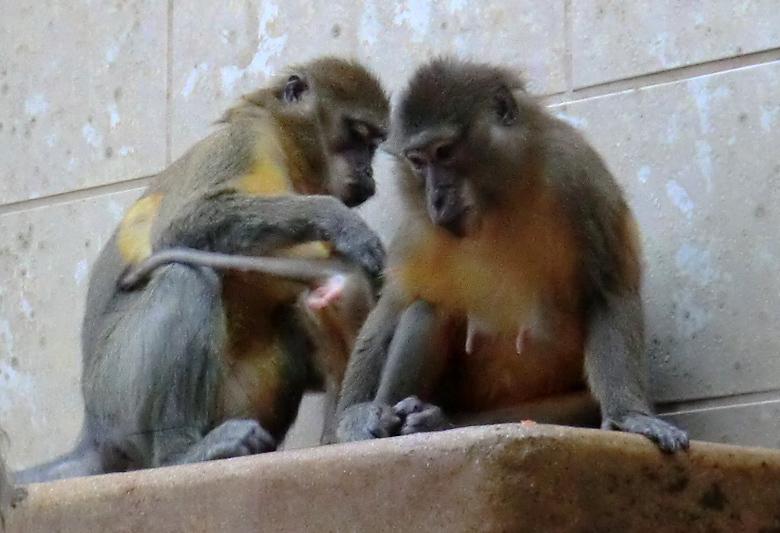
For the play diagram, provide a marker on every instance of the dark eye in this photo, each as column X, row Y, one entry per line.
column 294, row 89
column 417, row 161
column 506, row 107
column 445, row 152
column 362, row 133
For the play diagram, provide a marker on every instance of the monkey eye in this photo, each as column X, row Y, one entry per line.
column 506, row 108
column 417, row 161
column 445, row 152
column 294, row 89
column 363, row 133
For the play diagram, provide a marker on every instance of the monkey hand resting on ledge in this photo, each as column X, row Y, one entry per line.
column 186, row 362
column 514, row 279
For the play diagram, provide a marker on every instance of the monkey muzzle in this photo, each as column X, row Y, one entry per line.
column 359, row 190
column 447, row 210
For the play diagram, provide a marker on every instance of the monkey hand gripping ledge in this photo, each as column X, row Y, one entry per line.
column 534, row 478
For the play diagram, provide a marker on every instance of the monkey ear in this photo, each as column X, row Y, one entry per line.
column 506, row 107
column 293, row 89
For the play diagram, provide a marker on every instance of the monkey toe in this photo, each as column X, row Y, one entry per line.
column 236, row 438
column 383, row 421
column 667, row 437
column 365, row 421
column 420, row 417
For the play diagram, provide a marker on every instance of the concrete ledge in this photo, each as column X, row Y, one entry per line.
column 535, row 478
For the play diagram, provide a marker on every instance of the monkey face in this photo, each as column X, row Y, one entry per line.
column 351, row 177
column 449, row 196
column 459, row 131
column 348, row 110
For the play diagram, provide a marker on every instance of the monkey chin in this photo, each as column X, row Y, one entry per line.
column 463, row 225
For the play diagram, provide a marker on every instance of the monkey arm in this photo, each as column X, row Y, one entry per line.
column 407, row 364
column 397, row 357
column 230, row 222
column 614, row 364
column 355, row 410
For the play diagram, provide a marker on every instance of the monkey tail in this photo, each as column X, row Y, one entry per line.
column 83, row 460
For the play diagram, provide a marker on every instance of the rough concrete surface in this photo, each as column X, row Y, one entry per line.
column 533, row 478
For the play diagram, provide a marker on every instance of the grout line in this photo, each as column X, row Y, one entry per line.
column 705, row 404
column 568, row 68
column 676, row 74
column 74, row 196
column 169, row 85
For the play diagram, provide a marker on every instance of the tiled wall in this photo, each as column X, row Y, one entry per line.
column 682, row 98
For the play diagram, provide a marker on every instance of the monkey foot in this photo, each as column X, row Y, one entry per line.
column 236, row 438
column 419, row 417
column 365, row 421
column 668, row 438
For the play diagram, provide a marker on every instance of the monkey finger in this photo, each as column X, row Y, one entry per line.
column 668, row 438
column 409, row 405
column 419, row 417
column 359, row 244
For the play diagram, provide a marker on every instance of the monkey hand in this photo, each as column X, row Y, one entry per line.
column 419, row 417
column 668, row 438
column 358, row 243
column 365, row 421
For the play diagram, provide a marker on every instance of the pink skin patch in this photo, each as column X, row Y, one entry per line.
column 328, row 292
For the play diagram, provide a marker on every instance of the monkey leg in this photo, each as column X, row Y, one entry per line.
column 615, row 368
column 151, row 387
column 412, row 364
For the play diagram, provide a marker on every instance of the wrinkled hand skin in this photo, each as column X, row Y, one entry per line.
column 237, row 438
column 420, row 417
column 668, row 438
column 365, row 421
column 357, row 242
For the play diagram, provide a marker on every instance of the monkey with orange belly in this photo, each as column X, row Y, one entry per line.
column 515, row 276
column 185, row 362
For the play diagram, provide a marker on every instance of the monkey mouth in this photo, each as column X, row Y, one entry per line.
column 358, row 192
column 458, row 225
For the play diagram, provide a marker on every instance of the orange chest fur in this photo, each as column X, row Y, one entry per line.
column 515, row 281
column 515, row 265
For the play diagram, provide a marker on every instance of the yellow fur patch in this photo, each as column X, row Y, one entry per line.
column 309, row 250
column 252, row 383
column 267, row 177
column 134, row 234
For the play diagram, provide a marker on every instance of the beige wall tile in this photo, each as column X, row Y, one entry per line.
column 222, row 50
column 698, row 161
column 395, row 37
column 82, row 94
column 615, row 39
column 44, row 272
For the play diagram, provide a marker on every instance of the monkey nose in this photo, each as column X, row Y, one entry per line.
column 358, row 192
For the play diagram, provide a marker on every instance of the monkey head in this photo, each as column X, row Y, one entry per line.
column 461, row 133
column 336, row 114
